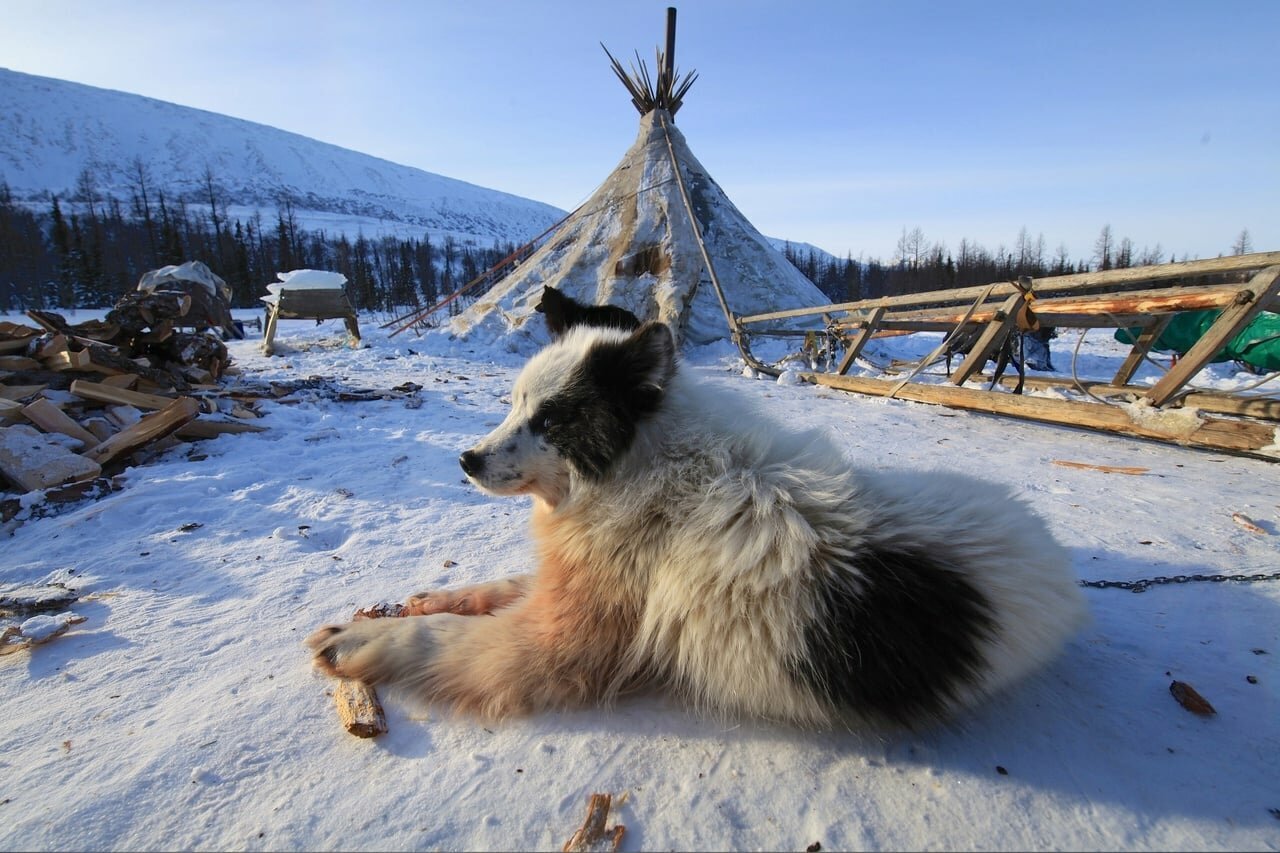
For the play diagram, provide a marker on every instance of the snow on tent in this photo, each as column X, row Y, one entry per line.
column 659, row 238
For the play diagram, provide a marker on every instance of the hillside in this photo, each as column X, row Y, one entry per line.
column 51, row 131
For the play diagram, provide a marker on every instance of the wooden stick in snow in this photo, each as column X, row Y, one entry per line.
column 593, row 835
column 359, row 709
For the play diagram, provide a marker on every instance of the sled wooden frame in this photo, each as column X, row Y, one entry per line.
column 310, row 304
column 1142, row 297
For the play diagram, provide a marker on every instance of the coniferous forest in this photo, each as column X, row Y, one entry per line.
column 86, row 252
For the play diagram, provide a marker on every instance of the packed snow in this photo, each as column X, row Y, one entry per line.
column 185, row 713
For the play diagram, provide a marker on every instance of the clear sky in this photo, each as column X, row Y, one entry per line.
column 836, row 123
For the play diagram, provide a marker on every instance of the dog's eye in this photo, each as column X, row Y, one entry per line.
column 542, row 422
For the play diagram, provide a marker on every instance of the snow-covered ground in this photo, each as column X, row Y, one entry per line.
column 184, row 713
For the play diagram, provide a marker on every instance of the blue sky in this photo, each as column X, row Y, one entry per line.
column 835, row 123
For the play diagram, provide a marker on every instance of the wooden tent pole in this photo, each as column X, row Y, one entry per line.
column 735, row 331
column 669, row 63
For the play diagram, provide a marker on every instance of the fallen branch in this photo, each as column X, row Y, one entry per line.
column 1247, row 523
column 1106, row 469
column 359, row 709
column 36, row 631
column 1190, row 699
column 593, row 835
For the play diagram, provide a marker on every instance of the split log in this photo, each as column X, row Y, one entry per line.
column 15, row 337
column 210, row 428
column 18, row 362
column 359, row 709
column 55, row 345
column 101, row 428
column 10, row 411
column 46, row 415
column 34, row 461
column 139, row 310
column 53, row 323
column 102, row 393
column 20, row 392
column 593, row 834
column 120, row 380
column 152, row 427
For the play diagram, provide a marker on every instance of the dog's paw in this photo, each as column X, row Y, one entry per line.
column 366, row 650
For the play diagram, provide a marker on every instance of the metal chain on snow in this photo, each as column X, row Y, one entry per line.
column 1143, row 584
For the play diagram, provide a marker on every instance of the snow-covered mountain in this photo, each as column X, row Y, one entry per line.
column 52, row 130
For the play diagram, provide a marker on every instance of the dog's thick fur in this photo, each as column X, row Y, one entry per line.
column 686, row 540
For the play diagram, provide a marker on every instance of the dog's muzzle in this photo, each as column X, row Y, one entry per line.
column 472, row 463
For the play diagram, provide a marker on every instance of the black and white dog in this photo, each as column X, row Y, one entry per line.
column 685, row 539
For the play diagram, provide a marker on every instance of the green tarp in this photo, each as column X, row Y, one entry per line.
column 1257, row 345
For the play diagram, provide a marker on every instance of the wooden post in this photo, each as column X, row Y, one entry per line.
column 1002, row 325
column 1262, row 287
column 860, row 337
column 1141, row 347
column 269, row 334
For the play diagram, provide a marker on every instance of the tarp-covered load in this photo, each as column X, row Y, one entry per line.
column 1257, row 345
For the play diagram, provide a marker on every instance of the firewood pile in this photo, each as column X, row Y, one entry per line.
column 80, row 402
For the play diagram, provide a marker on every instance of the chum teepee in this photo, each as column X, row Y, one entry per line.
column 633, row 244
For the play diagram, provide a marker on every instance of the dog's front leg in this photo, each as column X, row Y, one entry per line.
column 519, row 660
column 476, row 600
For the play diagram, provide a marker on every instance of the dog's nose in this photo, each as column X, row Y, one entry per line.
column 471, row 463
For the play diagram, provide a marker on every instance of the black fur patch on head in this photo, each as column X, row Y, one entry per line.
column 564, row 312
column 592, row 420
column 897, row 644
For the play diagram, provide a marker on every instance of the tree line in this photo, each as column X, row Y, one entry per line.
column 922, row 265
column 90, row 248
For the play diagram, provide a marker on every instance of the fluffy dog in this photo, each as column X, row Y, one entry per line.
column 686, row 541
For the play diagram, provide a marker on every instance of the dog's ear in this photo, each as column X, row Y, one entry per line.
column 636, row 371
column 555, row 305
column 654, row 355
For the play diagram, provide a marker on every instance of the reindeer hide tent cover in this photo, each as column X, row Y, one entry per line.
column 632, row 245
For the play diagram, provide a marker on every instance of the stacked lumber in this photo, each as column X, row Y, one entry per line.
column 80, row 402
